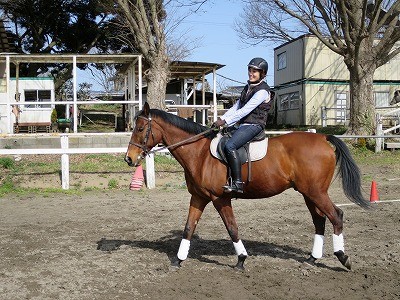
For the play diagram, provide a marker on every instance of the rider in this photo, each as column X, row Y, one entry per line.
column 250, row 113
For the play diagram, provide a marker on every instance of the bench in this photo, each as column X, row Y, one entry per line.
column 392, row 145
column 32, row 127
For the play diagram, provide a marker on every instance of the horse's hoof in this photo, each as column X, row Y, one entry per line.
column 240, row 264
column 176, row 264
column 310, row 261
column 344, row 259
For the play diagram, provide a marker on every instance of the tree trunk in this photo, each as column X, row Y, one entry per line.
column 362, row 106
column 361, row 64
column 157, row 77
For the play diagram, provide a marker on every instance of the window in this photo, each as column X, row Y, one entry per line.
column 282, row 61
column 289, row 101
column 341, row 107
column 284, row 102
column 294, row 100
column 381, row 99
column 37, row 96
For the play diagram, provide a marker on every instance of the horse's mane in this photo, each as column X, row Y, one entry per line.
column 181, row 123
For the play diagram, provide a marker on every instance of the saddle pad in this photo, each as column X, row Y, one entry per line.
column 258, row 149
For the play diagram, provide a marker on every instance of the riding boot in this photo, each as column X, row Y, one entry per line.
column 236, row 185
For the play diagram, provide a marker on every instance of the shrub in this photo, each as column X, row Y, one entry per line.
column 54, row 116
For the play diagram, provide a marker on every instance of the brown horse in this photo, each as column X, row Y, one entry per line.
column 300, row 160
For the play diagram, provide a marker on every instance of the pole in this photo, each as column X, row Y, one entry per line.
column 64, row 163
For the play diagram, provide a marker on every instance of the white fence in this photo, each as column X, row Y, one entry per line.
column 65, row 151
column 338, row 115
column 386, row 113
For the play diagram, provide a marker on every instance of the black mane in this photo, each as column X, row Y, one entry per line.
column 181, row 123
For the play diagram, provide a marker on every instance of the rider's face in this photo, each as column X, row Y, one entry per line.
column 254, row 74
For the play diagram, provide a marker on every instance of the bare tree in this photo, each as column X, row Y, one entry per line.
column 363, row 32
column 142, row 28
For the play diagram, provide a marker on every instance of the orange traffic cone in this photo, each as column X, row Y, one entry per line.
column 137, row 179
column 374, row 197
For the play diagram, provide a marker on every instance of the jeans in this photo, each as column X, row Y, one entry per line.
column 241, row 136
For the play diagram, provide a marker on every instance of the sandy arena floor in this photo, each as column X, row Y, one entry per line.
column 118, row 245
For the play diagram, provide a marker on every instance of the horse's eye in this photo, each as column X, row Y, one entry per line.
column 140, row 129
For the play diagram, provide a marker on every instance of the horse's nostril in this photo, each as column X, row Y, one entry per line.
column 128, row 160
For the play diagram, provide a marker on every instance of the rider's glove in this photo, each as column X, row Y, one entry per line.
column 218, row 123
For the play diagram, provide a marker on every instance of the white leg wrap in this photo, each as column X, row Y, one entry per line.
column 239, row 248
column 338, row 242
column 183, row 249
column 318, row 248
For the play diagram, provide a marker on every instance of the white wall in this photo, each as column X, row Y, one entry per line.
column 32, row 114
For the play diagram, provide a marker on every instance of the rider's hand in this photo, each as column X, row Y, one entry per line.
column 218, row 123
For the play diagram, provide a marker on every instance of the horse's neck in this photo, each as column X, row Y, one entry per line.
column 183, row 153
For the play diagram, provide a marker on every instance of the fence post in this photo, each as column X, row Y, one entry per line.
column 323, row 116
column 64, row 163
column 379, row 132
column 150, row 172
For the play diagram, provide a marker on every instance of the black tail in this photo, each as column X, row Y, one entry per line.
column 348, row 170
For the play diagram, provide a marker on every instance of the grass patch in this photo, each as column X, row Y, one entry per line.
column 8, row 187
column 113, row 183
column 365, row 156
column 6, row 163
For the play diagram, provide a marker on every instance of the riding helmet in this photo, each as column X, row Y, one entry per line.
column 259, row 64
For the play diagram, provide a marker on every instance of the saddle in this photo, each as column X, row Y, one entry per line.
column 253, row 150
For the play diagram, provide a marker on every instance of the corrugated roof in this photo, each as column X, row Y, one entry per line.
column 6, row 44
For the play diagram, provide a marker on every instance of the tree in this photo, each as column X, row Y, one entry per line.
column 107, row 26
column 141, row 28
column 363, row 32
column 54, row 26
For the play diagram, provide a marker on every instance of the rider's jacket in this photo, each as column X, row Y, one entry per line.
column 260, row 113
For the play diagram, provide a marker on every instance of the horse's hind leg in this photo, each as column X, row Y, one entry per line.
column 196, row 209
column 319, row 221
column 224, row 208
column 335, row 216
column 338, row 240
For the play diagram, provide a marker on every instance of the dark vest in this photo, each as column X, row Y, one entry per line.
column 258, row 115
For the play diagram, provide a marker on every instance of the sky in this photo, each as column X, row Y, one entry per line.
column 213, row 27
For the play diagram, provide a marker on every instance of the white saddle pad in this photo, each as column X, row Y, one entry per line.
column 258, row 149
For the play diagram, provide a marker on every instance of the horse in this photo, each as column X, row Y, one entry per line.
column 396, row 98
column 303, row 161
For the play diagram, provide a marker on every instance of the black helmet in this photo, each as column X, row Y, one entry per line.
column 259, row 64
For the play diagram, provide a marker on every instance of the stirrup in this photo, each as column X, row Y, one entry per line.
column 234, row 187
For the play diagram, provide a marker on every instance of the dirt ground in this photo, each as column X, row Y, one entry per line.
column 118, row 244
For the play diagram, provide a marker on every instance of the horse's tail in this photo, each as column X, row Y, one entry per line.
column 349, row 171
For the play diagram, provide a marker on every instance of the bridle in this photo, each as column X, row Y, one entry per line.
column 146, row 151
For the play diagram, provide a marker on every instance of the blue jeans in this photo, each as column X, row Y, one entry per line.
column 241, row 136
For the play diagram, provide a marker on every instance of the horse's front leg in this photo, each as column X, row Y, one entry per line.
column 197, row 205
column 224, row 208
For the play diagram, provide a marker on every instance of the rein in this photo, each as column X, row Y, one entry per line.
column 147, row 151
column 192, row 138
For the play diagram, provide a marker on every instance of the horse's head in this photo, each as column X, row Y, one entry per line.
column 143, row 138
column 396, row 98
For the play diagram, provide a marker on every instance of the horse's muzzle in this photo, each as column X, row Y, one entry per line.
column 128, row 160
column 130, row 163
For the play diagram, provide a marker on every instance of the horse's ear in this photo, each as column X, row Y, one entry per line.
column 146, row 109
